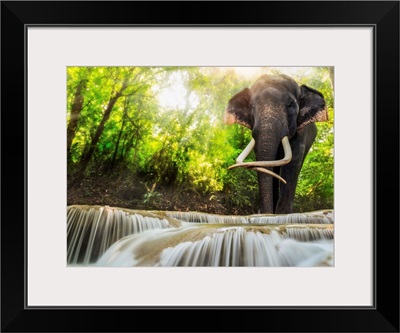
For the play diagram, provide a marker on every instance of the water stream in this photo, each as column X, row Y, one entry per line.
column 106, row 236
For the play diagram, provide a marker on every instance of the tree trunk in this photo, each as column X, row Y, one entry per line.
column 76, row 108
column 119, row 138
column 107, row 113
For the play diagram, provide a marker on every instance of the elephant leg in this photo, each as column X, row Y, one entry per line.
column 300, row 144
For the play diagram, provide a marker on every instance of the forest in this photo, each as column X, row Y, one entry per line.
column 154, row 138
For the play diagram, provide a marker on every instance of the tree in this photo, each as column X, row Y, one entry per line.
column 106, row 115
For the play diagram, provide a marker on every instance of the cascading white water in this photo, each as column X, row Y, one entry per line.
column 104, row 236
column 308, row 234
column 241, row 248
column 319, row 217
column 196, row 217
column 223, row 246
column 227, row 247
column 92, row 230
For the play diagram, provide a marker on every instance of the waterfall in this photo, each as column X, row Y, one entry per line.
column 319, row 217
column 105, row 236
column 91, row 230
column 195, row 217
column 241, row 248
column 220, row 246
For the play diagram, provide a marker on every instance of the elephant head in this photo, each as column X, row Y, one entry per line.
column 281, row 115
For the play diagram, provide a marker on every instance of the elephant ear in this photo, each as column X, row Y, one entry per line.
column 239, row 109
column 312, row 107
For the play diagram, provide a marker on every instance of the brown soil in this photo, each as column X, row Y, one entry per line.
column 139, row 195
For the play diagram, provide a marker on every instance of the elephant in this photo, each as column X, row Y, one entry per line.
column 281, row 115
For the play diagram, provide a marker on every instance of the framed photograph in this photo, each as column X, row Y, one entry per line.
column 200, row 158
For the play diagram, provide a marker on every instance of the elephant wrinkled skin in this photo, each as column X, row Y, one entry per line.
column 281, row 115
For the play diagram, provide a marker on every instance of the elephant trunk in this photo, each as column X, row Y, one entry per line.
column 269, row 135
column 266, row 148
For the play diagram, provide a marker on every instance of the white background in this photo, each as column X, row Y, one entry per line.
column 51, row 50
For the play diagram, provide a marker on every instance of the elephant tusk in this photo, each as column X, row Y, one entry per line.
column 273, row 174
column 285, row 160
column 246, row 151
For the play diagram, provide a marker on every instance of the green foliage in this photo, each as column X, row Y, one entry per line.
column 316, row 183
column 165, row 128
column 152, row 198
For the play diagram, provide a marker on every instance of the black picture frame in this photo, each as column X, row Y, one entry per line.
column 383, row 316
